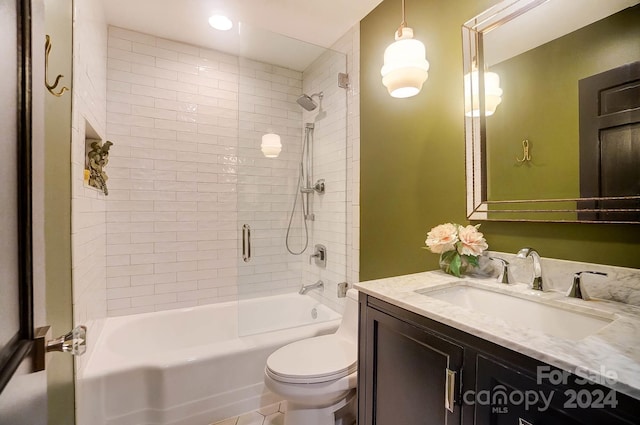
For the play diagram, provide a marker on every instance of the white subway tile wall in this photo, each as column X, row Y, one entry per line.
column 337, row 155
column 175, row 180
column 267, row 186
column 330, row 163
column 188, row 172
column 171, row 214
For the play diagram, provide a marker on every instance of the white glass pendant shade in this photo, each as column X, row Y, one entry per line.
column 220, row 22
column 271, row 145
column 492, row 93
column 405, row 67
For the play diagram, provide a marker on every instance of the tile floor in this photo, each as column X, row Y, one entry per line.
column 269, row 415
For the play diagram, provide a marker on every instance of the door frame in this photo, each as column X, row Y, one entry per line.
column 20, row 346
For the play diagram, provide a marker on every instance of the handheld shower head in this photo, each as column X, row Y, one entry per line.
column 307, row 101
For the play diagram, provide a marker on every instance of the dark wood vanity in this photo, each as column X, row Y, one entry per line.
column 414, row 370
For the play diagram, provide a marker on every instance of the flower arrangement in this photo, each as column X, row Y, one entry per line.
column 458, row 246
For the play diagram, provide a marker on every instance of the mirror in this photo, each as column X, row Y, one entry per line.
column 532, row 159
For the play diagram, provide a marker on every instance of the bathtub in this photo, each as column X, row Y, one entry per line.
column 190, row 366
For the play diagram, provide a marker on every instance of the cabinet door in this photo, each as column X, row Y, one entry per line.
column 505, row 395
column 406, row 374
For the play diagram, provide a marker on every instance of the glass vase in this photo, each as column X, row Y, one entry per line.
column 448, row 265
column 453, row 263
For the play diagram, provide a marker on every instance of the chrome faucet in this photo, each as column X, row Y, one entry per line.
column 503, row 277
column 576, row 290
column 537, row 266
column 307, row 288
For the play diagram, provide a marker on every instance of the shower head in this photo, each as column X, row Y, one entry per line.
column 307, row 101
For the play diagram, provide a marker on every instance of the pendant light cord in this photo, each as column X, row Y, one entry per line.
column 403, row 23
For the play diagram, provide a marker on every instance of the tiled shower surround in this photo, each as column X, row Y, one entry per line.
column 186, row 172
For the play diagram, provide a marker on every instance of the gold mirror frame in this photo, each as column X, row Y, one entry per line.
column 479, row 207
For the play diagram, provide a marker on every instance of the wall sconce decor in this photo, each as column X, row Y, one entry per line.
column 492, row 93
column 405, row 66
column 271, row 145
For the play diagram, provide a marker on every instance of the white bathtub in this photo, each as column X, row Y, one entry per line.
column 189, row 366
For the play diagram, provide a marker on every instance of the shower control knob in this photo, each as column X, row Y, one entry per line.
column 319, row 186
column 320, row 255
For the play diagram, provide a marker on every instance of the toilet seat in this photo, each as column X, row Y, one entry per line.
column 313, row 360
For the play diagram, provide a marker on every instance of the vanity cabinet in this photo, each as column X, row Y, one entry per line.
column 413, row 370
column 517, row 397
column 410, row 373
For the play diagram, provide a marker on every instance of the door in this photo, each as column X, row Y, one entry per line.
column 22, row 393
column 411, row 375
column 28, row 397
column 610, row 143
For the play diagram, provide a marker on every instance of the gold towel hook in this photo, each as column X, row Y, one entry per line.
column 526, row 157
column 51, row 87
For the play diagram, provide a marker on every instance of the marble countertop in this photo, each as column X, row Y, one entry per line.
column 612, row 353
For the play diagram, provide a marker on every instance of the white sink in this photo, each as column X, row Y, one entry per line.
column 521, row 312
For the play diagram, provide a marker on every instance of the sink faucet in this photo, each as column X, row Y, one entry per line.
column 503, row 277
column 537, row 266
column 576, row 290
column 307, row 288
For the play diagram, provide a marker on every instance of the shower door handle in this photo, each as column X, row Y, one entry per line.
column 246, row 243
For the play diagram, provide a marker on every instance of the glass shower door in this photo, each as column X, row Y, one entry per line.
column 275, row 240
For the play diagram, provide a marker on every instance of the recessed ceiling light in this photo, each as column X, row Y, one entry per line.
column 220, row 22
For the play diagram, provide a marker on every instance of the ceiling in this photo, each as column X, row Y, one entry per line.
column 544, row 23
column 266, row 30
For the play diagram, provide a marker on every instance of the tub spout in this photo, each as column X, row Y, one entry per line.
column 307, row 288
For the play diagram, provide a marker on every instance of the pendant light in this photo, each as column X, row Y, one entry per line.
column 220, row 22
column 405, row 66
column 492, row 92
column 271, row 145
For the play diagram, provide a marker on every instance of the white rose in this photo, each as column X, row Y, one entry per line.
column 442, row 238
column 472, row 242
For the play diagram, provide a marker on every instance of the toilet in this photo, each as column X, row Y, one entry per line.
column 318, row 376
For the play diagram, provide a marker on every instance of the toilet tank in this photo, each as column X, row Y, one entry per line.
column 349, row 326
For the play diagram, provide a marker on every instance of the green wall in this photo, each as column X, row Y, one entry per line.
column 412, row 157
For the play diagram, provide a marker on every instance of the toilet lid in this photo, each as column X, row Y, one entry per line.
column 313, row 360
